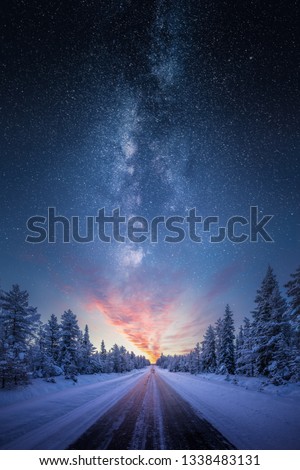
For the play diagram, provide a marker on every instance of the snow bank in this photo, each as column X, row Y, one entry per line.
column 249, row 414
column 52, row 416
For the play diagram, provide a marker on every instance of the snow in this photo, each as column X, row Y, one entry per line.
column 248, row 413
column 51, row 416
column 150, row 413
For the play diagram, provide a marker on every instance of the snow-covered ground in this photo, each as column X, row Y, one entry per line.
column 249, row 414
column 51, row 416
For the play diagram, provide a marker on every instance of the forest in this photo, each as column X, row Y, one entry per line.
column 30, row 348
column 268, row 345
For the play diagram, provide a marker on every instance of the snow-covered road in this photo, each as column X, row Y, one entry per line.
column 54, row 420
column 151, row 416
column 53, row 416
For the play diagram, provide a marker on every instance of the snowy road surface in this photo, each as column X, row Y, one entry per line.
column 163, row 410
column 54, row 419
column 151, row 416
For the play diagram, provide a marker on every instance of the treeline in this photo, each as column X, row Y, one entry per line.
column 31, row 348
column 268, row 345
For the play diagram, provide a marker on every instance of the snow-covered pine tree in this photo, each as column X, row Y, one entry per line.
column 208, row 354
column 116, row 359
column 131, row 361
column 174, row 364
column 293, row 292
column 109, row 362
column 271, row 352
column 239, row 343
column 122, row 359
column 228, row 352
column 103, row 358
column 86, row 353
column 52, row 338
column 103, row 351
column 69, row 344
column 19, row 326
column 135, row 361
column 184, row 363
column 129, row 365
column 293, row 317
column 38, row 356
column 218, row 330
column 188, row 362
column 162, row 361
column 225, row 352
column 195, row 360
column 244, row 353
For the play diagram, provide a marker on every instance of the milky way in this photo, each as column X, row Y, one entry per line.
column 156, row 108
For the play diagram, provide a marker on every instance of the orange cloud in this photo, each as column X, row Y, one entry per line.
column 142, row 326
column 140, row 309
column 142, row 305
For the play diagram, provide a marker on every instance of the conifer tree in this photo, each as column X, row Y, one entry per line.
column 208, row 355
column 244, row 352
column 271, row 353
column 293, row 292
column 52, row 338
column 69, row 351
column 87, row 351
column 19, row 324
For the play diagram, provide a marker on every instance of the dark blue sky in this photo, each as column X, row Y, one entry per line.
column 153, row 107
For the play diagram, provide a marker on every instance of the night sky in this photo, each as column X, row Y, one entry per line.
column 155, row 107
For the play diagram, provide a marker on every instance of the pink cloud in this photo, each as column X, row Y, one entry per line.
column 143, row 305
column 139, row 308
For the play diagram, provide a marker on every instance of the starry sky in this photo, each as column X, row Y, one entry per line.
column 155, row 107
